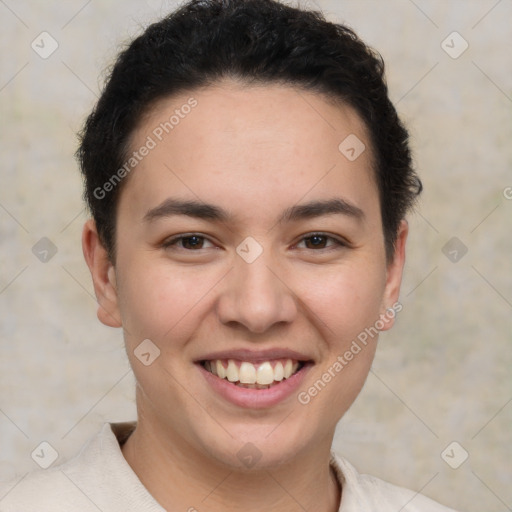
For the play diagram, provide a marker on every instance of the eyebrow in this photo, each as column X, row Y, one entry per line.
column 210, row 212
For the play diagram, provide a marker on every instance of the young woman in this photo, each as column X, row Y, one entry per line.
column 248, row 179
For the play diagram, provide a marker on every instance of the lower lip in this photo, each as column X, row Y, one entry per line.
column 256, row 398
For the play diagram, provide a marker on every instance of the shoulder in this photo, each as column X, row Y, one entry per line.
column 367, row 492
column 44, row 490
column 98, row 477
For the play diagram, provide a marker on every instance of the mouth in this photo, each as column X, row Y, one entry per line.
column 251, row 375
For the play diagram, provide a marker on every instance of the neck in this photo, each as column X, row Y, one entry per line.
column 179, row 478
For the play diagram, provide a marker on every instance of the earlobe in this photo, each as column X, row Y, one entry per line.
column 394, row 278
column 103, row 275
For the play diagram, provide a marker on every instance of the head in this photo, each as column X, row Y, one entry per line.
column 265, row 134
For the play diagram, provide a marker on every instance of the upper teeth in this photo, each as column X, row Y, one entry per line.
column 247, row 373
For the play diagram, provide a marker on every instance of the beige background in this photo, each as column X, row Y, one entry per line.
column 441, row 375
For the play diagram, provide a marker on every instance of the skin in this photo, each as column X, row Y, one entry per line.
column 254, row 151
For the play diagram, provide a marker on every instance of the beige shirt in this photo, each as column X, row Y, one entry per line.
column 100, row 479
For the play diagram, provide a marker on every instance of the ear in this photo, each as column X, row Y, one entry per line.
column 390, row 304
column 103, row 275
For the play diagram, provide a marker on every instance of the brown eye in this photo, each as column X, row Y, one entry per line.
column 320, row 241
column 316, row 241
column 187, row 242
column 192, row 242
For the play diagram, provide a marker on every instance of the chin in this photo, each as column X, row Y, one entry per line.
column 253, row 447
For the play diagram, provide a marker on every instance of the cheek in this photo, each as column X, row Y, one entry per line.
column 346, row 306
column 346, row 300
column 161, row 302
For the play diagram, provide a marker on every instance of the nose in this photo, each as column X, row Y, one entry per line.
column 256, row 295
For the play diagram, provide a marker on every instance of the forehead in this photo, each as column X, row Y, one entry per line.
column 260, row 144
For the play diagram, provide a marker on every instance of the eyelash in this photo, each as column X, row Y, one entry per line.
column 338, row 244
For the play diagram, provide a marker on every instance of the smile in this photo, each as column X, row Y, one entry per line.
column 262, row 375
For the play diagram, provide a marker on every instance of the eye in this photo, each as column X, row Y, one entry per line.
column 195, row 242
column 319, row 241
column 189, row 242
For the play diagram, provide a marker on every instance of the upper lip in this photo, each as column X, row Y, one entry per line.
column 255, row 355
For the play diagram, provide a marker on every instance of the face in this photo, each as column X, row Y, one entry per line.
column 250, row 252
